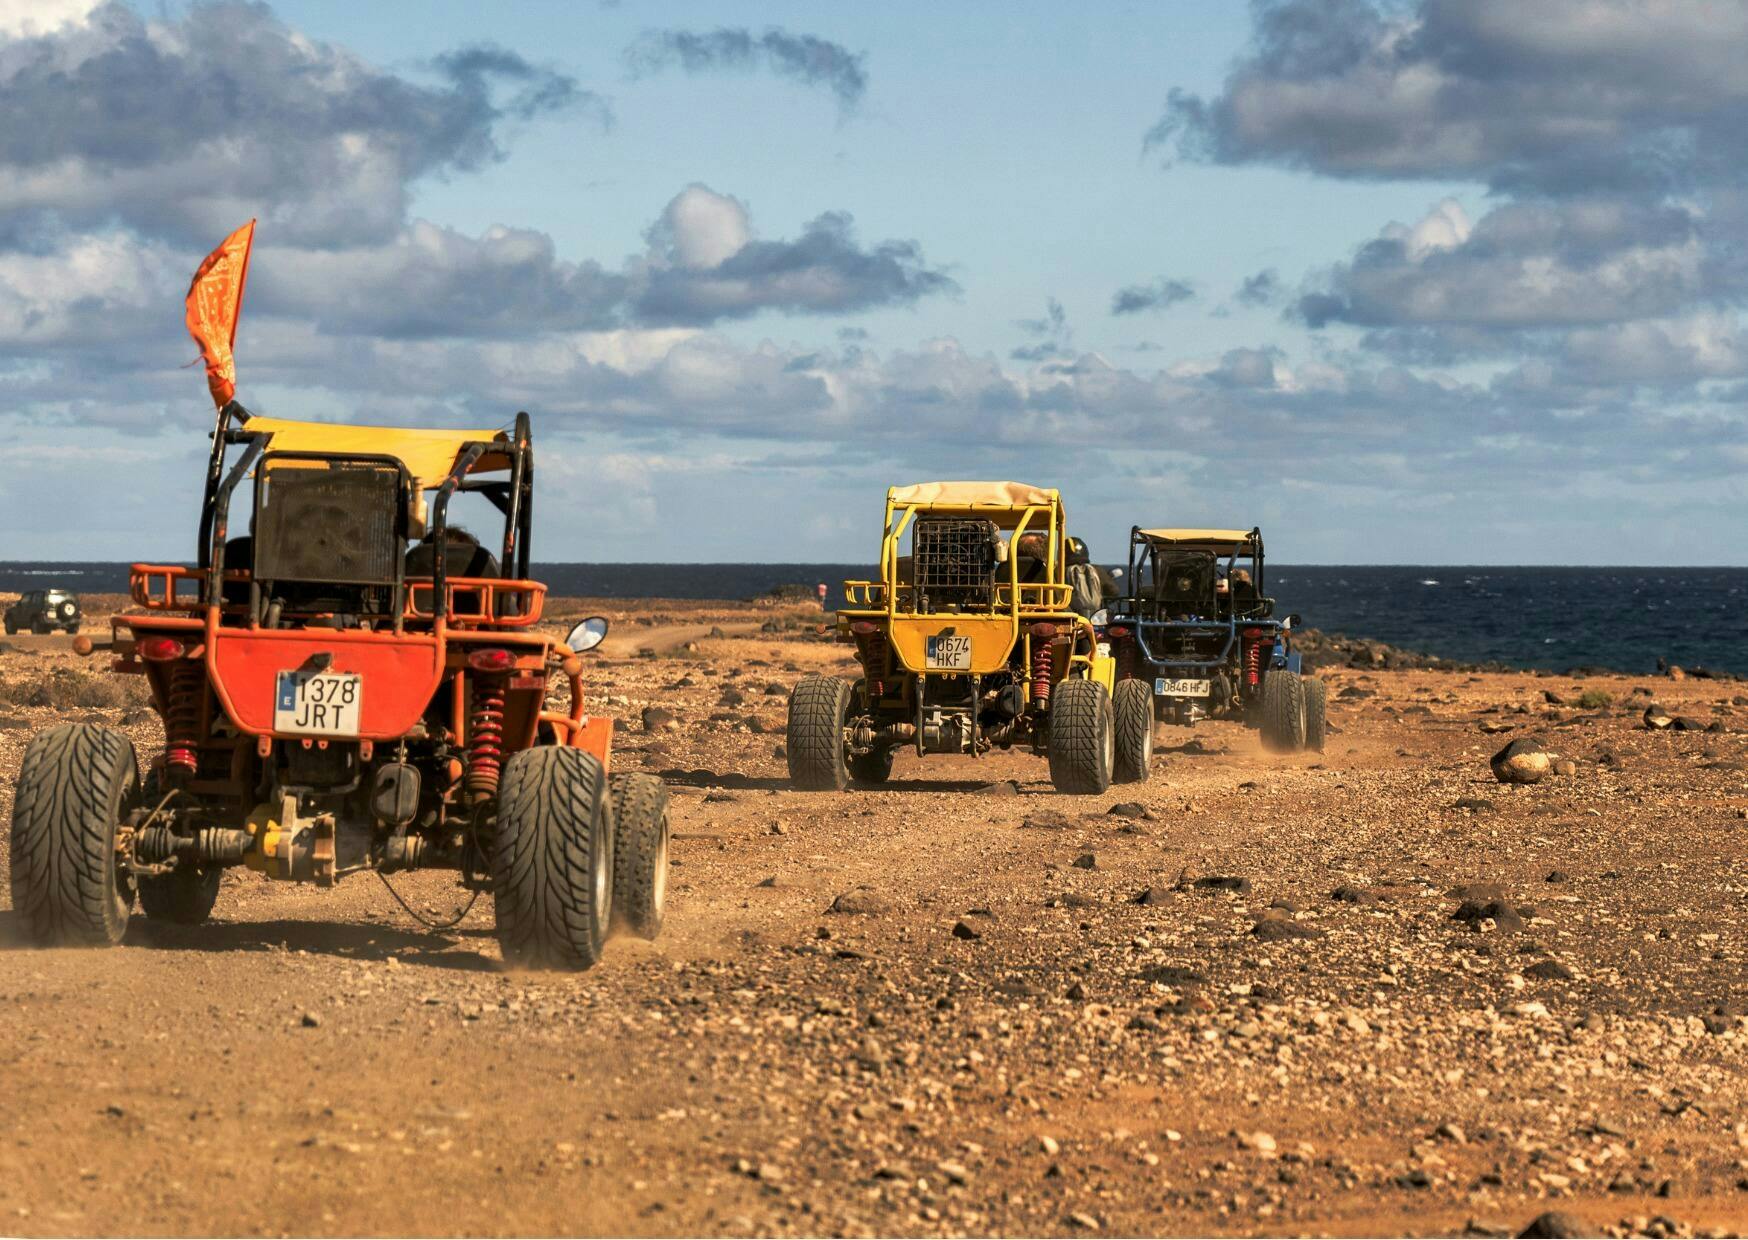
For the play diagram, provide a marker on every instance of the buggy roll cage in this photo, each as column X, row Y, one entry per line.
column 1134, row 608
column 514, row 497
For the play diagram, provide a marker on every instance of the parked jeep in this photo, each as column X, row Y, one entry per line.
column 44, row 611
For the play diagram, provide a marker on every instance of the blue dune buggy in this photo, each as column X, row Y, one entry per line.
column 1197, row 630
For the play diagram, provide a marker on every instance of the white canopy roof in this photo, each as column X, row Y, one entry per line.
column 967, row 494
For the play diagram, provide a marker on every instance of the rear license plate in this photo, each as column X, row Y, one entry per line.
column 1180, row 688
column 318, row 703
column 947, row 654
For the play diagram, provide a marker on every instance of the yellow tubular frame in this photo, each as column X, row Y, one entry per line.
column 1029, row 602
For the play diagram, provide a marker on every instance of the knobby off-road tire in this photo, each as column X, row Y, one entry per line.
column 1132, row 719
column 1316, row 714
column 1082, row 742
column 818, row 707
column 75, row 784
column 552, row 859
column 873, row 767
column 184, row 896
column 640, row 854
column 1283, row 711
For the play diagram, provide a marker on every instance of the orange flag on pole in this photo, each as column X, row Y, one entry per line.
column 215, row 299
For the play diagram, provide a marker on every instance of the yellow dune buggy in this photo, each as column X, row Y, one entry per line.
column 967, row 642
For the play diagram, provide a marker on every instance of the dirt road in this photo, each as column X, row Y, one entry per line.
column 1239, row 1004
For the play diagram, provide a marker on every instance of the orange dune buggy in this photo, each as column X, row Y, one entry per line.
column 352, row 685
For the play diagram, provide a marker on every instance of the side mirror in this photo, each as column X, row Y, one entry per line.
column 1293, row 621
column 1101, row 617
column 1116, row 572
column 587, row 635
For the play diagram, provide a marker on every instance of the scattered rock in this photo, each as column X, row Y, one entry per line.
column 1354, row 895
column 1557, row 1223
column 1565, row 767
column 1280, row 929
column 1086, row 861
column 1222, row 882
column 1046, row 820
column 310, row 1020
column 861, row 901
column 656, row 718
column 1151, row 896
column 964, row 930
column 1475, row 805
column 1552, row 698
column 1548, row 971
column 1131, row 809
column 1524, row 761
column 1001, row 788
column 1656, row 718
column 1503, row 916
column 1557, row 876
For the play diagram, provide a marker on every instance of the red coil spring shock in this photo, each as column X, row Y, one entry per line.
column 871, row 646
column 1043, row 662
column 1253, row 662
column 485, row 737
column 187, row 681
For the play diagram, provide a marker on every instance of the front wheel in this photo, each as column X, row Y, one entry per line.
column 1132, row 717
column 1283, row 711
column 552, row 859
column 1081, row 741
column 69, row 885
column 1316, row 713
column 819, row 707
column 640, row 854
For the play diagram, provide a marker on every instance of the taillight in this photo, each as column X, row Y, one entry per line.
column 864, row 628
column 490, row 660
column 161, row 649
column 1117, row 630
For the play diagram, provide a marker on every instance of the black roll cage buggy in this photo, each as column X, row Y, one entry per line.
column 1141, row 611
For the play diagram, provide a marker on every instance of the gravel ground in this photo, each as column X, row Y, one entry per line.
column 1236, row 999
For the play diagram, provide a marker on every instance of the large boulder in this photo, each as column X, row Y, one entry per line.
column 1523, row 761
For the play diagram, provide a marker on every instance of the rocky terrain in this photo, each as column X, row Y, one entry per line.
column 1375, row 990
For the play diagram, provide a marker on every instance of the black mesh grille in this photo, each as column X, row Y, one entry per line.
column 955, row 563
column 333, row 522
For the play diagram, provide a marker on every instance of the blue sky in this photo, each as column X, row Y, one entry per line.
column 762, row 261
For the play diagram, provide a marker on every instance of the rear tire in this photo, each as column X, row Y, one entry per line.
column 184, row 896
column 818, row 709
column 1081, row 737
column 68, row 885
column 873, row 767
column 640, row 854
column 1316, row 713
column 552, row 859
column 1132, row 718
column 1283, row 711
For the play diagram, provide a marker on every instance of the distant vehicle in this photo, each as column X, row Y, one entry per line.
column 44, row 611
column 1196, row 625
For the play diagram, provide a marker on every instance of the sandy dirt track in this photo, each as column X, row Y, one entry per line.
column 1239, row 1005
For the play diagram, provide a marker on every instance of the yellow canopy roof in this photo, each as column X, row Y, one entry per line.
column 968, row 494
column 428, row 454
column 1222, row 537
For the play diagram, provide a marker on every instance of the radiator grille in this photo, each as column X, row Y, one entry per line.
column 955, row 564
column 328, row 522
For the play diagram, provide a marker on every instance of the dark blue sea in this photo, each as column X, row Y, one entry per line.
column 1556, row 618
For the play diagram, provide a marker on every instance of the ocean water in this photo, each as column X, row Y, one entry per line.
column 1555, row 618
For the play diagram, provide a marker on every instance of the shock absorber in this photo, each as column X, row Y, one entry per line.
column 1253, row 645
column 485, row 736
column 871, row 647
column 1043, row 662
column 186, row 684
column 1123, row 647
